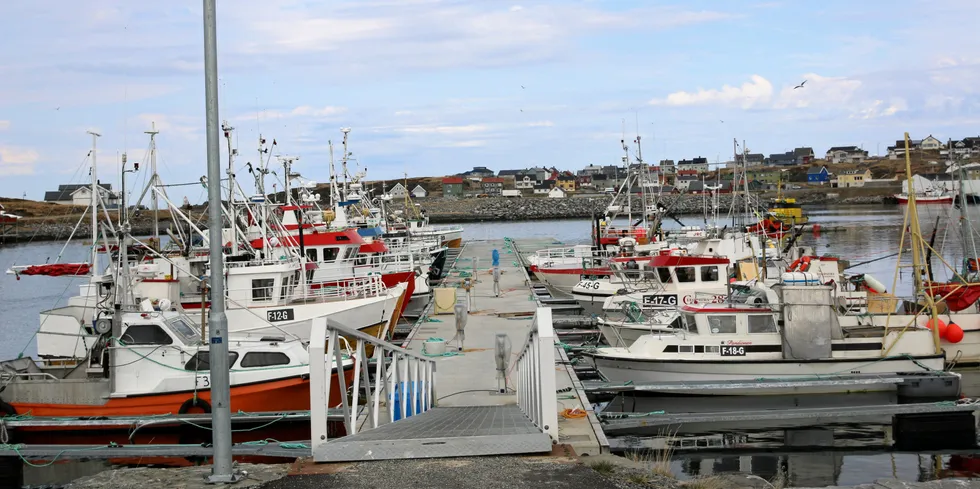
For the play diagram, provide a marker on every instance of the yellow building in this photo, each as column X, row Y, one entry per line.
column 853, row 178
column 566, row 183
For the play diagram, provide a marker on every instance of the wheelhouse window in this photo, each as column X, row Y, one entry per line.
column 330, row 254
column 351, row 253
column 312, row 254
column 685, row 274
column 663, row 273
column 264, row 359
column 761, row 323
column 146, row 334
column 689, row 323
column 284, row 290
column 262, row 289
column 201, row 362
column 721, row 324
column 709, row 274
column 182, row 326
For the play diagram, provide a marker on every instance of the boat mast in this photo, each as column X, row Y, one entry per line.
column 222, row 471
column 917, row 243
column 343, row 161
column 95, row 206
column 154, row 180
column 966, row 234
column 231, row 187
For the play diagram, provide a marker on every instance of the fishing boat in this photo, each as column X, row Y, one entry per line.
column 784, row 332
column 156, row 363
column 931, row 196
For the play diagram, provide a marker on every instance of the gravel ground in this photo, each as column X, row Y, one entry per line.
column 176, row 478
column 475, row 472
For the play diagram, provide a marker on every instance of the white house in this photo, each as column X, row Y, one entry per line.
column 931, row 144
column 556, row 193
column 398, row 191
column 525, row 180
column 846, row 154
column 419, row 193
column 81, row 194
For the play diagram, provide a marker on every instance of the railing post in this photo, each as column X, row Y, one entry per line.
column 547, row 392
column 356, row 391
column 341, row 379
column 391, row 390
column 319, row 382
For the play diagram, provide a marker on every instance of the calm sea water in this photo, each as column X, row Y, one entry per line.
column 855, row 233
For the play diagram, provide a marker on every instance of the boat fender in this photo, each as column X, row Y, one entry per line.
column 192, row 402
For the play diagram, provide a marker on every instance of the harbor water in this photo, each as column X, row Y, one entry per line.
column 847, row 452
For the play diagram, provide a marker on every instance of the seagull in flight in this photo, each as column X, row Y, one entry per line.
column 800, row 85
column 522, row 86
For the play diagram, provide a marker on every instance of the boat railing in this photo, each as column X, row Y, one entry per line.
column 348, row 288
column 405, row 380
column 7, row 375
column 571, row 252
column 535, row 374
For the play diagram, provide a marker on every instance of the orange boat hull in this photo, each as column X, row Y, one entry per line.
column 453, row 243
column 292, row 394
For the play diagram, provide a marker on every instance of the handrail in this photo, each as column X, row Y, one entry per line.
column 400, row 374
column 536, row 375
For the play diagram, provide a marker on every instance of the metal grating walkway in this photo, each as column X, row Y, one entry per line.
column 443, row 432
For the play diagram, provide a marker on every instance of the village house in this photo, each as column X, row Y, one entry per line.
column 583, row 181
column 544, row 187
column 698, row 164
column 668, row 167
column 419, row 193
column 782, row 159
column 591, row 170
column 452, row 187
column 398, row 191
column 557, row 193
column 751, row 160
column 683, row 182
column 818, row 174
column 768, row 177
column 928, row 144
column 525, row 180
column 853, row 178
column 566, row 183
column 81, row 195
column 846, row 154
column 509, row 173
column 492, row 186
column 803, row 155
column 477, row 172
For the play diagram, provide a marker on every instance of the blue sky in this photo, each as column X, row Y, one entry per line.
column 431, row 87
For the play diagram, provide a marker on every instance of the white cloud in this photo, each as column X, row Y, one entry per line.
column 306, row 110
column 879, row 108
column 4, row 125
column 540, row 124
column 445, row 130
column 471, row 143
column 437, row 34
column 818, row 91
column 17, row 161
column 752, row 93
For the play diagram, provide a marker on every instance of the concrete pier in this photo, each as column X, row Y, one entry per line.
column 469, row 377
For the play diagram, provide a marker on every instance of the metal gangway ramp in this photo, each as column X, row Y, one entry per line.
column 372, row 416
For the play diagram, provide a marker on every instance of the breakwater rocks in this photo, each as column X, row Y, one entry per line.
column 531, row 208
column 36, row 230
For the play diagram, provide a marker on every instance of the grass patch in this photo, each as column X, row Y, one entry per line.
column 705, row 483
column 603, row 467
column 640, row 479
column 660, row 459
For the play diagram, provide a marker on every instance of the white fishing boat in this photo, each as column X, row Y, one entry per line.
column 784, row 332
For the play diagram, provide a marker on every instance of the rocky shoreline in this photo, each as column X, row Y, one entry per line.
column 462, row 211
column 536, row 208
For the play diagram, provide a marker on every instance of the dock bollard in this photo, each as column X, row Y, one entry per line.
column 461, row 312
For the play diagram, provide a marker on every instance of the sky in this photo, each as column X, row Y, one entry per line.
column 435, row 87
